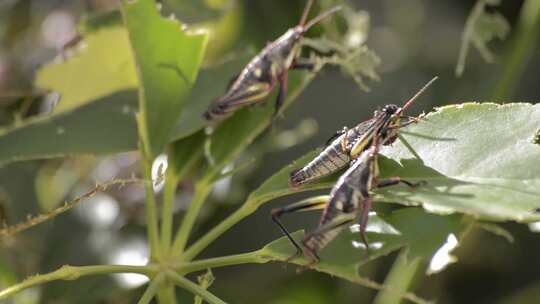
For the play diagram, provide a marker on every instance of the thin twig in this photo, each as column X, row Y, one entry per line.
column 40, row 218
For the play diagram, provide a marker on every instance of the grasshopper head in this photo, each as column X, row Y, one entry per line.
column 390, row 109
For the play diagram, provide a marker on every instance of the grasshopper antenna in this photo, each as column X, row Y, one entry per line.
column 306, row 12
column 321, row 17
column 410, row 101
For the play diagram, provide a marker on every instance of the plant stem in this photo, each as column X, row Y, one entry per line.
column 171, row 181
column 202, row 189
column 217, row 231
column 166, row 293
column 528, row 30
column 74, row 272
column 151, row 212
column 194, row 288
column 151, row 290
column 253, row 257
column 401, row 278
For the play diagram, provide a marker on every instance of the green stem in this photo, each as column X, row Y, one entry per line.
column 151, row 212
column 527, row 32
column 217, row 231
column 171, row 181
column 253, row 257
column 193, row 288
column 401, row 278
column 166, row 293
column 202, row 189
column 69, row 273
column 151, row 290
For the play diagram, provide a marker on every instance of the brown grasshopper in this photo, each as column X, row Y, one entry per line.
column 264, row 71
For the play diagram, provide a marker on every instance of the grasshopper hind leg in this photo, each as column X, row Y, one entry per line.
column 302, row 206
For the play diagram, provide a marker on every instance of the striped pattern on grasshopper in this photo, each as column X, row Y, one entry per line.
column 339, row 152
column 268, row 68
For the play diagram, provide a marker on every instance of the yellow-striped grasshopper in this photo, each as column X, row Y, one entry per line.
column 337, row 153
column 268, row 68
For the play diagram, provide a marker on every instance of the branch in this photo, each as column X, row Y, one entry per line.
column 40, row 218
column 151, row 290
column 69, row 273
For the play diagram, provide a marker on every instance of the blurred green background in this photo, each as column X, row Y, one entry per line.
column 415, row 40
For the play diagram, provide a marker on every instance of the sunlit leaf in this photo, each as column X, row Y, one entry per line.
column 102, row 65
column 168, row 60
column 116, row 131
column 477, row 159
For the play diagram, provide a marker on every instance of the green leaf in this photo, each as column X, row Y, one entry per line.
column 421, row 232
column 104, row 66
column 101, row 127
column 481, row 28
column 477, row 159
column 117, row 129
column 386, row 233
column 168, row 60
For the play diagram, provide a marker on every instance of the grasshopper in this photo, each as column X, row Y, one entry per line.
column 337, row 153
column 349, row 199
column 264, row 71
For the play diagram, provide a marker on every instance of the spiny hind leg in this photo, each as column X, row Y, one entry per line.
column 301, row 206
column 364, row 217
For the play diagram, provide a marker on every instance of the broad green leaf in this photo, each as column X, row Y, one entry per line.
column 234, row 134
column 102, row 67
column 421, row 232
column 481, row 28
column 100, row 127
column 168, row 60
column 111, row 128
column 477, row 159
